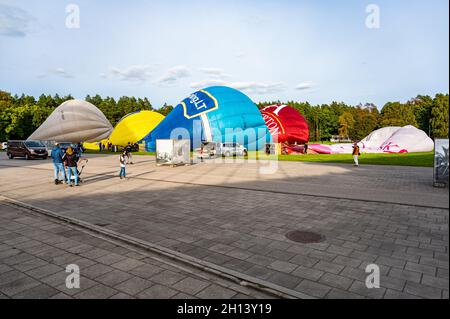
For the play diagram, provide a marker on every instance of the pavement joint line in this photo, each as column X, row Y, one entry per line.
column 228, row 274
column 110, row 174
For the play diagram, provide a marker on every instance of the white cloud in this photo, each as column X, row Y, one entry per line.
column 172, row 75
column 14, row 22
column 206, row 83
column 249, row 87
column 133, row 73
column 304, row 86
column 215, row 72
column 62, row 73
column 59, row 72
column 258, row 87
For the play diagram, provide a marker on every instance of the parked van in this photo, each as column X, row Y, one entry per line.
column 27, row 149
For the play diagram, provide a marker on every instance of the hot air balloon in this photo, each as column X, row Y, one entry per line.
column 408, row 139
column 134, row 126
column 286, row 124
column 74, row 121
column 217, row 114
column 390, row 139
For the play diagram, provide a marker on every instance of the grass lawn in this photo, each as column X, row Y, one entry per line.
column 406, row 159
column 117, row 153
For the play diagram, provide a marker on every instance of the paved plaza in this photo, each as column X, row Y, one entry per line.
column 227, row 218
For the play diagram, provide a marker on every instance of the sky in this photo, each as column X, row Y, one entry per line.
column 353, row 51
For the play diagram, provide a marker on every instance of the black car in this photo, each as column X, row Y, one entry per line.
column 27, row 149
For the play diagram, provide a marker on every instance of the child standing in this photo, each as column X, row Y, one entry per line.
column 123, row 163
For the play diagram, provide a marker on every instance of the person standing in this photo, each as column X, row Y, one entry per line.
column 356, row 154
column 70, row 158
column 305, row 149
column 79, row 149
column 57, row 156
column 128, row 150
column 123, row 163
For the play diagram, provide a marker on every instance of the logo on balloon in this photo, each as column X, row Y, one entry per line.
column 199, row 103
column 273, row 123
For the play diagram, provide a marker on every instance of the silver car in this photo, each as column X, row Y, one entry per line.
column 232, row 149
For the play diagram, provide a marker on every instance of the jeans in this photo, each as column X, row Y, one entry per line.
column 355, row 159
column 59, row 167
column 122, row 172
column 70, row 171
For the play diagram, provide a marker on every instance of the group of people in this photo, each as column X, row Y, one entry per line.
column 114, row 148
column 65, row 163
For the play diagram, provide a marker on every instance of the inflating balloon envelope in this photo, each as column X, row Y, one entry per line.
column 74, row 121
column 218, row 114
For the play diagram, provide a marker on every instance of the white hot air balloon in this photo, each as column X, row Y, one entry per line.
column 408, row 139
column 74, row 121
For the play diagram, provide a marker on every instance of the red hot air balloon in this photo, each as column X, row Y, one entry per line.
column 286, row 124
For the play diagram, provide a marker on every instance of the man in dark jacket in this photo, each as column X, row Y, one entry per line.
column 57, row 156
column 128, row 150
column 70, row 159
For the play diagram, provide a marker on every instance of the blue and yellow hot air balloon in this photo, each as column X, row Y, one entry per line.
column 134, row 126
column 218, row 114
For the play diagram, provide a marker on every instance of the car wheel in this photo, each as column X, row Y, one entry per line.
column 44, row 158
column 10, row 156
column 27, row 157
column 245, row 153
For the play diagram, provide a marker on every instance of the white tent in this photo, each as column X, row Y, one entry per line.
column 74, row 121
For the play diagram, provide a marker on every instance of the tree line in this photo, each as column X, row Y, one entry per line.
column 22, row 115
column 427, row 113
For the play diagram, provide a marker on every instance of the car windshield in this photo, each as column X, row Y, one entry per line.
column 34, row 144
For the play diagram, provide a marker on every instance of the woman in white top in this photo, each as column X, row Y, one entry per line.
column 123, row 163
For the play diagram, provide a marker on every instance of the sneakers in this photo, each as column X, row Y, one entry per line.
column 56, row 182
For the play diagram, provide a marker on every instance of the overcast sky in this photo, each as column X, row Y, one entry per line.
column 316, row 51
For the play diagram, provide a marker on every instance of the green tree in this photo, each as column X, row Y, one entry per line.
column 439, row 116
column 422, row 110
column 144, row 104
column 20, row 124
column 346, row 123
column 397, row 114
column 366, row 120
column 165, row 109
